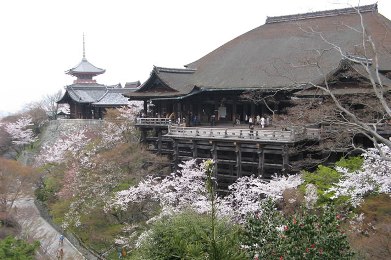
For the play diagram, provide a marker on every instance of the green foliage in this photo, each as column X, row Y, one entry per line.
column 260, row 232
column 303, row 235
column 97, row 230
column 325, row 177
column 189, row 236
column 46, row 192
column 12, row 248
column 352, row 163
column 58, row 210
column 126, row 184
column 51, row 183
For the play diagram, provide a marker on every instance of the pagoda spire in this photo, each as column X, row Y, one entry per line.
column 84, row 47
column 85, row 71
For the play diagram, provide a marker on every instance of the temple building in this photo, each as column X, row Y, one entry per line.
column 286, row 71
column 88, row 99
column 285, row 57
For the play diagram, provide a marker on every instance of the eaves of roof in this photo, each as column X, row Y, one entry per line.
column 85, row 67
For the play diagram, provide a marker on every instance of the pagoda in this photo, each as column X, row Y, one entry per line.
column 88, row 99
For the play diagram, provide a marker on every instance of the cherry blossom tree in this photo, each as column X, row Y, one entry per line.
column 247, row 193
column 176, row 192
column 70, row 141
column 187, row 189
column 20, row 131
column 119, row 123
column 374, row 177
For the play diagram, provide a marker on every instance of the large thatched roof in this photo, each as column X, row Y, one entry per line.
column 285, row 52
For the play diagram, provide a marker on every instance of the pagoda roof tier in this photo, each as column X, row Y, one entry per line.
column 85, row 68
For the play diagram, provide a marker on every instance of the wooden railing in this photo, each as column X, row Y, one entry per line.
column 266, row 134
column 292, row 135
column 152, row 121
column 77, row 122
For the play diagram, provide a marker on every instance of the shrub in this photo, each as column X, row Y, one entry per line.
column 352, row 163
column 188, row 236
column 325, row 177
column 12, row 248
column 303, row 235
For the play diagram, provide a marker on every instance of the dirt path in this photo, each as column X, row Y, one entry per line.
column 35, row 227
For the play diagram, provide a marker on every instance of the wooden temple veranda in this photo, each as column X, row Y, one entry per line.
column 237, row 150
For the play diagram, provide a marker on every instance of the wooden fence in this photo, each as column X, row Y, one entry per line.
column 292, row 135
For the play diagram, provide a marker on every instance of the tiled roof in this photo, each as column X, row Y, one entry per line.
column 96, row 94
column 114, row 97
column 86, row 94
column 133, row 84
column 282, row 54
column 328, row 13
column 85, row 67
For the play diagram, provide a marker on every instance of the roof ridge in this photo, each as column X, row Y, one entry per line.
column 99, row 99
column 173, row 70
column 319, row 14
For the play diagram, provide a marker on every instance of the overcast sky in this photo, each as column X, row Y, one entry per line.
column 41, row 39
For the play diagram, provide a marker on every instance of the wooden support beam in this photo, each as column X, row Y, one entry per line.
column 213, row 152
column 285, row 158
column 143, row 135
column 159, row 140
column 175, row 154
column 194, row 149
column 234, row 115
column 261, row 161
column 252, row 110
column 145, row 107
column 238, row 160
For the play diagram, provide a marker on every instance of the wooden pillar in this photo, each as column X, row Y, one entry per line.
column 145, row 107
column 238, row 160
column 194, row 148
column 244, row 111
column 213, row 152
column 179, row 110
column 261, row 160
column 143, row 135
column 252, row 109
column 285, row 158
column 175, row 154
column 199, row 112
column 159, row 140
column 234, row 111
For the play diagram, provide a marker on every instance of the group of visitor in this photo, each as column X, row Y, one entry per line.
column 258, row 120
column 193, row 120
column 60, row 250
